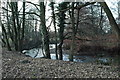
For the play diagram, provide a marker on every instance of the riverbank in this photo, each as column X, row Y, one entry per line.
column 17, row 65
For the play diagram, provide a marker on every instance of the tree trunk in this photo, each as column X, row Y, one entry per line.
column 44, row 30
column 53, row 16
column 111, row 18
column 61, row 43
column 6, row 37
column 112, row 21
column 61, row 19
column 72, row 48
column 23, row 28
column 14, row 26
column 18, row 26
column 61, row 37
column 9, row 28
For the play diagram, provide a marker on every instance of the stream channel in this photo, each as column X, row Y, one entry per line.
column 38, row 53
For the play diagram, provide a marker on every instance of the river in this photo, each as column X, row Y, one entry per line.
column 39, row 53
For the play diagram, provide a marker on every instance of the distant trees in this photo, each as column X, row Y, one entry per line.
column 32, row 34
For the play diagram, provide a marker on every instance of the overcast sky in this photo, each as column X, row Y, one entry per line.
column 111, row 3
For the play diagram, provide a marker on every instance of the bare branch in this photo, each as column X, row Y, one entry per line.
column 33, row 13
column 36, row 5
column 78, row 7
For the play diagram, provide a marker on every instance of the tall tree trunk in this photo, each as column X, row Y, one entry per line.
column 61, row 36
column 111, row 18
column 18, row 25
column 23, row 27
column 112, row 21
column 53, row 16
column 61, row 19
column 61, row 42
column 6, row 37
column 44, row 30
column 78, row 16
column 14, row 26
column 72, row 48
column 9, row 28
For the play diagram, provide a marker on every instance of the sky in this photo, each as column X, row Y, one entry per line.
column 112, row 4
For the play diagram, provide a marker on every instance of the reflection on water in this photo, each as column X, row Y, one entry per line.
column 40, row 53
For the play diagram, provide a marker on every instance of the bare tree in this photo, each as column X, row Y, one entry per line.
column 44, row 30
column 111, row 18
column 54, row 22
column 73, row 33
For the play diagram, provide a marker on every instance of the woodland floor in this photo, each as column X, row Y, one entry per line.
column 16, row 65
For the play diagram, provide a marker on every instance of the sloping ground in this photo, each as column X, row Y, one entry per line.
column 16, row 65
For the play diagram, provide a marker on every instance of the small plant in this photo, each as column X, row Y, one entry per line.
column 104, row 63
column 119, row 75
column 117, row 60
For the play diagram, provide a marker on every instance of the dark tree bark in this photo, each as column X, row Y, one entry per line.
column 44, row 30
column 61, row 19
column 61, row 38
column 18, row 25
column 53, row 16
column 6, row 37
column 72, row 48
column 14, row 25
column 23, row 28
column 9, row 28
